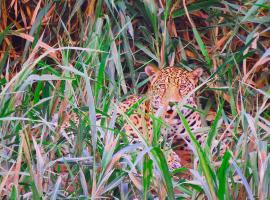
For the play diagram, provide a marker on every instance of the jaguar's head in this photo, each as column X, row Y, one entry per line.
column 169, row 86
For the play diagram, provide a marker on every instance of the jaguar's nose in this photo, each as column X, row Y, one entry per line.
column 171, row 104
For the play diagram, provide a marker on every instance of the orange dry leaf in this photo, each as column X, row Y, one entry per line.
column 200, row 14
column 48, row 15
column 33, row 19
column 210, row 115
column 221, row 42
column 263, row 80
column 90, row 8
column 190, row 54
column 23, row 18
column 257, row 67
column 4, row 15
column 28, row 11
column 42, row 44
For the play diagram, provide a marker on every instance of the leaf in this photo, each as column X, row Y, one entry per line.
column 198, row 37
column 4, row 59
column 262, row 5
column 56, row 188
column 33, row 19
column 201, row 45
column 115, row 56
column 36, row 20
column 259, row 20
column 196, row 6
column 213, row 130
column 151, row 12
column 93, row 120
column 101, row 70
column 222, row 175
column 204, row 163
column 253, row 10
column 14, row 193
column 179, row 170
column 162, row 164
column 146, row 51
column 4, row 33
column 244, row 180
column 147, row 174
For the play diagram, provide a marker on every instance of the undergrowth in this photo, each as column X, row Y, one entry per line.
column 60, row 58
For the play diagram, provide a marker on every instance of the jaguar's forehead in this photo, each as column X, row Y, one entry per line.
column 173, row 71
column 172, row 75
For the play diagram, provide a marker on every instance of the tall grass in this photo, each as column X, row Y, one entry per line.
column 61, row 59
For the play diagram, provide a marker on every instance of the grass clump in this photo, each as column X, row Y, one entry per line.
column 61, row 59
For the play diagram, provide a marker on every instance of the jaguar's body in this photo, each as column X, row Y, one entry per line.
column 168, row 87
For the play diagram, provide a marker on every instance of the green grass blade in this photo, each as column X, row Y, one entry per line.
column 4, row 33
column 253, row 9
column 14, row 193
column 4, row 60
column 162, row 164
column 202, row 46
column 213, row 130
column 222, row 175
column 151, row 12
column 204, row 163
column 196, row 6
column 147, row 51
column 102, row 67
column 147, row 174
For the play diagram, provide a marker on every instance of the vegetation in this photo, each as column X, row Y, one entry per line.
column 64, row 57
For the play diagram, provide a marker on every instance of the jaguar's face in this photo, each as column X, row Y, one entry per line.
column 169, row 86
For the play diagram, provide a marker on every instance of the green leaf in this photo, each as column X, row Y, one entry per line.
column 35, row 193
column 146, row 51
column 222, row 175
column 196, row 6
column 235, row 58
column 151, row 12
column 213, row 129
column 4, row 33
column 253, row 10
column 202, row 46
column 14, row 193
column 157, row 123
column 101, row 69
column 167, row 9
column 4, row 60
column 262, row 5
column 232, row 101
column 179, row 170
column 204, row 163
column 162, row 164
column 147, row 174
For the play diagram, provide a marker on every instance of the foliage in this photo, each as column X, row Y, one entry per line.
column 61, row 57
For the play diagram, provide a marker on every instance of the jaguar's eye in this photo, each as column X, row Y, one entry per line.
column 162, row 86
column 182, row 88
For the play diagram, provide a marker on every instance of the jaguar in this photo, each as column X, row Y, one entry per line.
column 168, row 87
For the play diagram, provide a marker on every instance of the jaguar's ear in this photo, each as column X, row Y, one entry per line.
column 197, row 73
column 150, row 70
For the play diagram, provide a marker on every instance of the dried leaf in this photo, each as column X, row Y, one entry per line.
column 33, row 19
